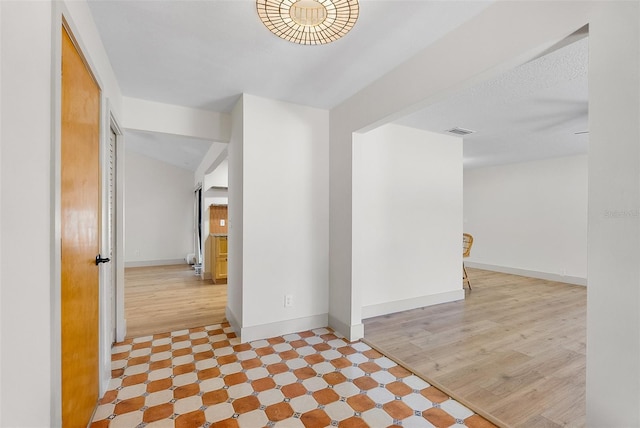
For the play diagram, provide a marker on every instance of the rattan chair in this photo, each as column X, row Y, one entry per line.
column 467, row 242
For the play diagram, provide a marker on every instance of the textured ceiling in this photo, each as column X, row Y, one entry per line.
column 177, row 150
column 204, row 54
column 531, row 112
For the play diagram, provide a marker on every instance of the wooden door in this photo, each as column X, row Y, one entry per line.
column 80, row 231
column 221, row 268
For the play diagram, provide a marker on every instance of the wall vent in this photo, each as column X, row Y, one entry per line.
column 460, row 131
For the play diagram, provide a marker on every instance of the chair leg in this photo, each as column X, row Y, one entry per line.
column 465, row 277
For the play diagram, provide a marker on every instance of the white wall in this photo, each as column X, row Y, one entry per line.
column 285, row 216
column 529, row 218
column 158, row 211
column 234, row 310
column 407, row 220
column 30, row 35
column 26, row 231
column 613, row 295
column 219, row 177
column 214, row 197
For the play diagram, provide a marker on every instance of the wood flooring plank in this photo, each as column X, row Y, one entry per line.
column 515, row 347
column 159, row 299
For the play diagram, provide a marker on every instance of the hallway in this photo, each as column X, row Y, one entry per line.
column 169, row 298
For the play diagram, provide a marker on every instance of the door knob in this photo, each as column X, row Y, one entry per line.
column 99, row 259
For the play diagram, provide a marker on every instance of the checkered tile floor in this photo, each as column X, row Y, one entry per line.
column 204, row 377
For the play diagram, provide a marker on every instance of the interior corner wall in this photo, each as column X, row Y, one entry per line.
column 234, row 309
column 407, row 219
column 285, row 216
column 158, row 211
column 529, row 218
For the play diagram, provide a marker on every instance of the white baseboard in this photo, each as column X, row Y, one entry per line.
column 413, row 303
column 576, row 280
column 233, row 320
column 280, row 328
column 105, row 378
column 121, row 330
column 351, row 332
column 145, row 263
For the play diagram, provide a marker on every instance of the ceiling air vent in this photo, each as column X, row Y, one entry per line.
column 460, row 131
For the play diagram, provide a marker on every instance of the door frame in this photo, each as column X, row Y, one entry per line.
column 61, row 18
column 121, row 322
column 109, row 122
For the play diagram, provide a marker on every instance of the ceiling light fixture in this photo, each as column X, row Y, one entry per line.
column 308, row 22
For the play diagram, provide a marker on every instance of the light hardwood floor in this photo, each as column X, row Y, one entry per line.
column 159, row 299
column 514, row 348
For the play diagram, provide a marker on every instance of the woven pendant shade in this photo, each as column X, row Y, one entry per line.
column 308, row 22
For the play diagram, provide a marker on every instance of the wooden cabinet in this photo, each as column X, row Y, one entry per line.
column 218, row 219
column 218, row 258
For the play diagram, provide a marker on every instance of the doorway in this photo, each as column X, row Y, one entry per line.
column 528, row 215
column 166, row 237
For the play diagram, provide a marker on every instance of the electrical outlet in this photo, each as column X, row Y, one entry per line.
column 288, row 300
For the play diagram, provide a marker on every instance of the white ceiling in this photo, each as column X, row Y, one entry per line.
column 531, row 112
column 177, row 150
column 204, row 54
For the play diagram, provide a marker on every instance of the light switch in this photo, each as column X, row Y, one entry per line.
column 221, row 222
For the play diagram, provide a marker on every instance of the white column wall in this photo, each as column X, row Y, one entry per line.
column 345, row 306
column 285, row 217
column 613, row 295
column 529, row 218
column 407, row 219
column 235, row 227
